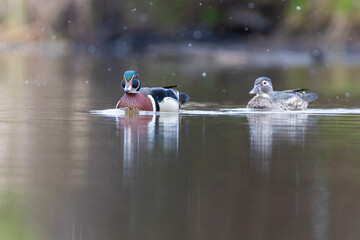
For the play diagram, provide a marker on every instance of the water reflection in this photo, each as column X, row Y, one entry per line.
column 144, row 134
column 269, row 127
column 60, row 180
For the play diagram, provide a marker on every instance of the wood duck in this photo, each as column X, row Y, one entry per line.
column 154, row 99
column 266, row 98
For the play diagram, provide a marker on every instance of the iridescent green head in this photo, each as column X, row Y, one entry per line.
column 130, row 82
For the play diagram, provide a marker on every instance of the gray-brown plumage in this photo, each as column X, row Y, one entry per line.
column 266, row 98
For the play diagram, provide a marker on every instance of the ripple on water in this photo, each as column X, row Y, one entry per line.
column 242, row 111
column 235, row 111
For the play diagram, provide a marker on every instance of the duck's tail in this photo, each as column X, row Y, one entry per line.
column 171, row 86
column 309, row 97
column 183, row 98
column 296, row 90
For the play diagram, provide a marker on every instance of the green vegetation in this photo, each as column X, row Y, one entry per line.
column 13, row 223
column 336, row 19
column 107, row 19
column 212, row 16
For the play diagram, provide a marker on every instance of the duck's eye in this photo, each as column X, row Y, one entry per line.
column 135, row 83
column 264, row 83
column 135, row 77
column 123, row 83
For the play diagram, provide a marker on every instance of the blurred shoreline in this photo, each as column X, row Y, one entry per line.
column 223, row 33
column 220, row 54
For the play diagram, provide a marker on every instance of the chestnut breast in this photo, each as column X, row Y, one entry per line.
column 135, row 101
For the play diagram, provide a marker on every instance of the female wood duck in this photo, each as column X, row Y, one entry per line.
column 149, row 99
column 266, row 98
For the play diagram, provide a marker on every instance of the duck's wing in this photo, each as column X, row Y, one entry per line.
column 288, row 94
column 294, row 101
column 146, row 90
column 289, row 100
column 285, row 95
column 160, row 93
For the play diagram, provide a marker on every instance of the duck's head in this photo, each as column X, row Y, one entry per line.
column 130, row 82
column 262, row 85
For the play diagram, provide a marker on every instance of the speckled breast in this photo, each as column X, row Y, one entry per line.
column 134, row 101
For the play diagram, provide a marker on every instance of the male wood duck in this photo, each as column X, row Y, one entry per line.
column 266, row 98
column 153, row 99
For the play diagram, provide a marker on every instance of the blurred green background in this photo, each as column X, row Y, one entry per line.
column 109, row 22
column 306, row 42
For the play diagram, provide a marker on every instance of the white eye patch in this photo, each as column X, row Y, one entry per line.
column 264, row 83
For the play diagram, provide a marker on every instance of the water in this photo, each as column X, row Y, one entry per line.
column 72, row 167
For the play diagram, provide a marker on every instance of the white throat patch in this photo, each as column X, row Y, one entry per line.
column 264, row 95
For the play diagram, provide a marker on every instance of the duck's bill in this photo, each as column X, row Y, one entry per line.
column 128, row 87
column 255, row 90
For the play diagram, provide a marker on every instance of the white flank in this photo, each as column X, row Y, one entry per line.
column 152, row 103
column 169, row 104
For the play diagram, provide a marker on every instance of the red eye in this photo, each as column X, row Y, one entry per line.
column 135, row 77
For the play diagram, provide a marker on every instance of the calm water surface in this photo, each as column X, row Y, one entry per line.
column 68, row 173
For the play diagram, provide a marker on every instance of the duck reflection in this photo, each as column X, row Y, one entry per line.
column 146, row 134
column 266, row 128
